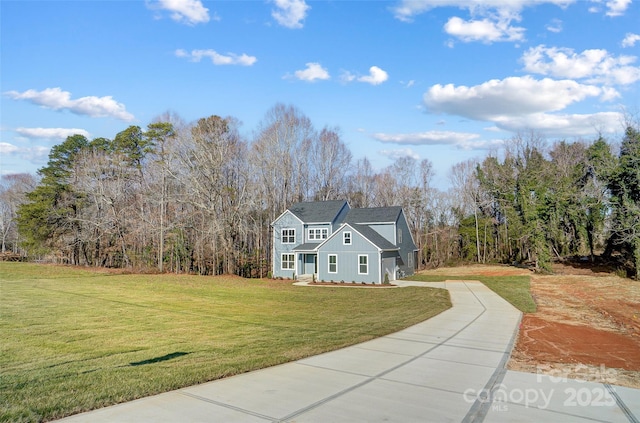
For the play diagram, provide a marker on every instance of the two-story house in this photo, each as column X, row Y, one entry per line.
column 330, row 240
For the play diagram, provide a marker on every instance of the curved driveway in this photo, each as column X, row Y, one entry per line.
column 450, row 368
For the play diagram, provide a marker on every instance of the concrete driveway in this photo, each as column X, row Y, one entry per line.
column 450, row 368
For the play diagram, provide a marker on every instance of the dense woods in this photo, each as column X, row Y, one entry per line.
column 199, row 198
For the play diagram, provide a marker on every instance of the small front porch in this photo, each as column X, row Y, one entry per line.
column 308, row 265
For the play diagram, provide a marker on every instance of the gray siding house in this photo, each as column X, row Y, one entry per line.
column 330, row 240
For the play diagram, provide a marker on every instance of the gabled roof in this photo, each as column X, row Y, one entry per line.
column 317, row 211
column 373, row 236
column 374, row 215
column 369, row 234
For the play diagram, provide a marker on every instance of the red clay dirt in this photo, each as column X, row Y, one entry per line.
column 587, row 324
column 549, row 341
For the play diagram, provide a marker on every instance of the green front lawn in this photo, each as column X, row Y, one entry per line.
column 72, row 340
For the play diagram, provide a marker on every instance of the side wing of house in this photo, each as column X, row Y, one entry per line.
column 408, row 252
column 350, row 257
column 288, row 232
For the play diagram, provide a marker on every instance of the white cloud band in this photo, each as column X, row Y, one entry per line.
column 51, row 133
column 463, row 140
column 512, row 96
column 217, row 58
column 594, row 65
column 56, row 99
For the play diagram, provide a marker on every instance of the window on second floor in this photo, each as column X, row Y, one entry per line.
column 346, row 238
column 399, row 235
column 288, row 236
column 319, row 233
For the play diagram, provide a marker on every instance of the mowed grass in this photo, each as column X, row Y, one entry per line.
column 515, row 289
column 73, row 340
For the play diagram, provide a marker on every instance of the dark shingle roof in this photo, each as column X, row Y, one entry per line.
column 307, row 246
column 373, row 236
column 317, row 211
column 373, row 215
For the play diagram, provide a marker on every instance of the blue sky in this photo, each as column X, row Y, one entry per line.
column 446, row 80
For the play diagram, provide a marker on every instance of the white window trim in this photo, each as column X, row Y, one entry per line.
column 329, row 263
column 344, row 238
column 288, row 235
column 282, row 261
column 359, row 264
column 317, row 234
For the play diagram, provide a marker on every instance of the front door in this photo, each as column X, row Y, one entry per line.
column 310, row 264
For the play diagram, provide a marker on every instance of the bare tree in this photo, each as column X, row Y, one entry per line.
column 361, row 183
column 13, row 190
column 280, row 157
column 330, row 161
column 213, row 175
column 467, row 188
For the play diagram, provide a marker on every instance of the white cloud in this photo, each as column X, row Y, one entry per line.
column 564, row 125
column 463, row 140
column 35, row 154
column 427, row 138
column 514, row 96
column 376, row 76
column 594, row 65
column 6, row 148
column 190, row 12
column 49, row 133
column 312, row 72
column 217, row 58
column 630, row 39
column 346, row 76
column 490, row 19
column 554, row 26
column 56, row 99
column 399, row 153
column 613, row 7
column 407, row 9
column 617, row 7
column 485, row 30
column 290, row 13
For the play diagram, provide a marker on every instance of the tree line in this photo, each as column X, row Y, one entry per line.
column 199, row 197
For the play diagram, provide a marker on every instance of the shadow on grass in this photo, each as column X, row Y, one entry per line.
column 159, row 359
